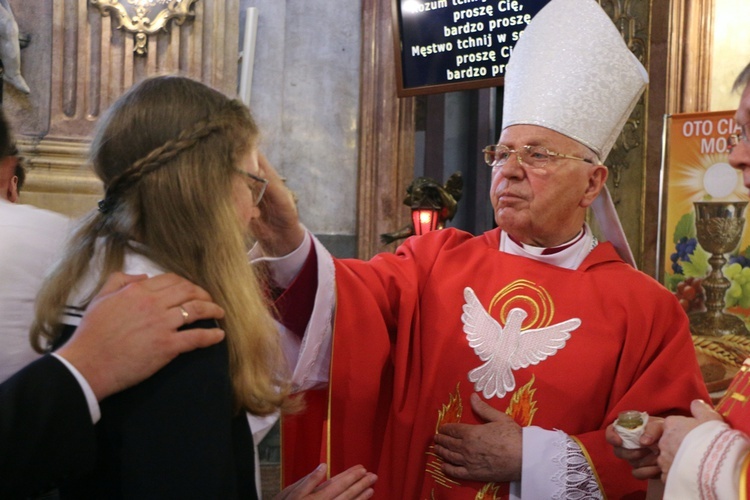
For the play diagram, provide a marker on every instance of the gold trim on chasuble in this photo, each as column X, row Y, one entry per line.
column 737, row 395
column 330, row 394
column 737, row 391
column 743, row 477
column 327, row 423
column 591, row 465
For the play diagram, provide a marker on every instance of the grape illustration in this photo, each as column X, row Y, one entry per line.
column 738, row 293
column 691, row 295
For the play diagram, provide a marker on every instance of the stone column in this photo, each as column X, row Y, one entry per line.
column 78, row 62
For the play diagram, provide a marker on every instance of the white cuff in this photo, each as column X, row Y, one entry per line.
column 285, row 268
column 539, row 467
column 555, row 467
column 88, row 393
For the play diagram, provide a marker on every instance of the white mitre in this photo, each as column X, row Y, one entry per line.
column 571, row 72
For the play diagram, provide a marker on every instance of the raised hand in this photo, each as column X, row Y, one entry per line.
column 277, row 230
column 129, row 330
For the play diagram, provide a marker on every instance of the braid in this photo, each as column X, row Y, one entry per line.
column 157, row 158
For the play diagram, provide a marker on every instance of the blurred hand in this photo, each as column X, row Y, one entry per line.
column 675, row 430
column 277, row 230
column 129, row 330
column 353, row 483
column 484, row 452
column 642, row 460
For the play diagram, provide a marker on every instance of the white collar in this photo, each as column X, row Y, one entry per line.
column 134, row 263
column 568, row 258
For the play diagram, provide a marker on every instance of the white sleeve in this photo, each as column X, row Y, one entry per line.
column 285, row 268
column 708, row 463
column 310, row 358
column 554, row 466
column 88, row 393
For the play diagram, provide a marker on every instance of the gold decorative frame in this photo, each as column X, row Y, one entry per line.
column 133, row 16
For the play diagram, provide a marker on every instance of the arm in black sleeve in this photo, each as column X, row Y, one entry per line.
column 46, row 432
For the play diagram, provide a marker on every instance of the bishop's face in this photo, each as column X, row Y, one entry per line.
column 544, row 206
column 739, row 157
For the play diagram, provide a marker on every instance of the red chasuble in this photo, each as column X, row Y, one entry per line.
column 735, row 408
column 402, row 361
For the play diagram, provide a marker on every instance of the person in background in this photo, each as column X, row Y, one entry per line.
column 466, row 366
column 706, row 455
column 179, row 164
column 31, row 239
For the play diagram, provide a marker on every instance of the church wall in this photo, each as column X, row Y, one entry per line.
column 305, row 94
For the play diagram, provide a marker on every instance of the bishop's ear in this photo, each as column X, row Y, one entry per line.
column 597, row 179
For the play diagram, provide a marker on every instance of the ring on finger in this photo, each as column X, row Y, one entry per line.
column 185, row 315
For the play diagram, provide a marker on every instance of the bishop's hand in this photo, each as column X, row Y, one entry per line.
column 277, row 230
column 484, row 452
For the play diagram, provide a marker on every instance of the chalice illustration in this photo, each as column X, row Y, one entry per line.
column 719, row 226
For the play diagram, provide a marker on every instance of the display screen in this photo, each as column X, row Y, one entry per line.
column 449, row 45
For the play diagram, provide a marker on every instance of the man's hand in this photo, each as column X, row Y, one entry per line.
column 642, row 460
column 277, row 230
column 129, row 330
column 353, row 483
column 675, row 430
column 484, row 452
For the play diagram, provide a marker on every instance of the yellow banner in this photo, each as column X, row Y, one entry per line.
column 697, row 169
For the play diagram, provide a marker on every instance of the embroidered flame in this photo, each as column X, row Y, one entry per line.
column 488, row 492
column 522, row 406
column 451, row 413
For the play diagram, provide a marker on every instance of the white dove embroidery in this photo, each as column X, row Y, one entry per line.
column 509, row 348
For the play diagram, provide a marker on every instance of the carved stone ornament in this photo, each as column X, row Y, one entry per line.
column 145, row 17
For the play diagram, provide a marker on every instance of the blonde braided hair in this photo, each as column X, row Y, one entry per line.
column 167, row 153
column 158, row 157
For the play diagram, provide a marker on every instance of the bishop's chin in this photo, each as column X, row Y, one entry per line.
column 511, row 221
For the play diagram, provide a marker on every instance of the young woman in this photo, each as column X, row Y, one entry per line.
column 180, row 167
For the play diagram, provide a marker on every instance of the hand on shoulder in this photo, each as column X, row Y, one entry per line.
column 129, row 330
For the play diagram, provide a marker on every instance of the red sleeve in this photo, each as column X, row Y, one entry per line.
column 294, row 305
column 665, row 379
